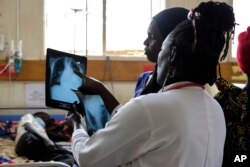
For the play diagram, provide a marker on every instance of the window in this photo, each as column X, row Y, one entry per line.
column 99, row 27
column 242, row 16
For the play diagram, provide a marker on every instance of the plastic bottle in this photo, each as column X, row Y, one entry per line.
column 11, row 57
column 19, row 57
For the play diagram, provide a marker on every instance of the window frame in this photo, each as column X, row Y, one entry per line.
column 104, row 34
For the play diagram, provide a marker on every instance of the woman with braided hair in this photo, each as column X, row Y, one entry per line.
column 181, row 125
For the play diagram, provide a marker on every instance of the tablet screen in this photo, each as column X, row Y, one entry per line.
column 61, row 79
column 62, row 82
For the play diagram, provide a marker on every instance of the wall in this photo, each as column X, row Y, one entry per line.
column 23, row 19
column 13, row 99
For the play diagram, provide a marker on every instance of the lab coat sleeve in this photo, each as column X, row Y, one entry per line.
column 115, row 110
column 125, row 138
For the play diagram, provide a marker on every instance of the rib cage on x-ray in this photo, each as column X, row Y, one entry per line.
column 63, row 79
column 95, row 112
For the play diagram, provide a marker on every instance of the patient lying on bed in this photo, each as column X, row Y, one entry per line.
column 33, row 141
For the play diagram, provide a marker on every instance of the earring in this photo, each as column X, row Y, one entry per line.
column 169, row 75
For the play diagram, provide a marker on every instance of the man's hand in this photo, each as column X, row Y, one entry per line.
column 89, row 85
column 93, row 86
column 76, row 119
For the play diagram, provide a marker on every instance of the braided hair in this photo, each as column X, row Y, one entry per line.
column 200, row 41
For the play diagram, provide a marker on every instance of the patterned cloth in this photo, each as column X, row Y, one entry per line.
column 8, row 128
column 233, row 101
column 8, row 154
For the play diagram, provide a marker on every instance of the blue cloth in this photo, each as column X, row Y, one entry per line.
column 142, row 82
column 5, row 160
column 5, row 127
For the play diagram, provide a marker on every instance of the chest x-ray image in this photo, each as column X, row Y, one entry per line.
column 62, row 85
column 63, row 79
column 96, row 114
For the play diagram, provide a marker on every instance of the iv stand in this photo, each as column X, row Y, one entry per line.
column 75, row 10
column 86, row 27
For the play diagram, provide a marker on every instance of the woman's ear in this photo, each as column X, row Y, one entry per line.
column 172, row 57
column 171, row 66
column 173, row 62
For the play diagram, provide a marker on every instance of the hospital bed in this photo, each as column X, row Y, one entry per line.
column 8, row 157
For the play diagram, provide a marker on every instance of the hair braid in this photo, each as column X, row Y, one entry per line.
column 209, row 29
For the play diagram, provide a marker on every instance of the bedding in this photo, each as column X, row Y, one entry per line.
column 7, row 153
column 8, row 129
column 9, row 158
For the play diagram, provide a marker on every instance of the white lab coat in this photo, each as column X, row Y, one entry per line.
column 177, row 128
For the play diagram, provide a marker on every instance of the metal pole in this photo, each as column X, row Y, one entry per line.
column 86, row 28
column 104, row 28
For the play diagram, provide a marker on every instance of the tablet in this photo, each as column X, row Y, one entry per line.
column 62, row 85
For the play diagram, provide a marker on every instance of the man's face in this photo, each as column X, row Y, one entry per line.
column 153, row 42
